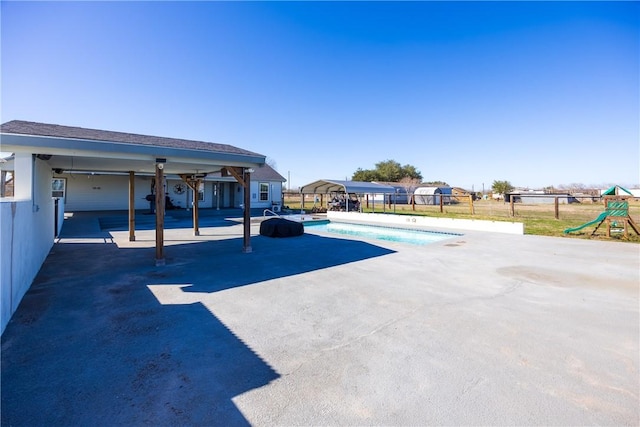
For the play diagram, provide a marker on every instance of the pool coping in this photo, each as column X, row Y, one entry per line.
column 424, row 221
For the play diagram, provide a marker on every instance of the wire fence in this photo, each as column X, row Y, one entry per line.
column 583, row 208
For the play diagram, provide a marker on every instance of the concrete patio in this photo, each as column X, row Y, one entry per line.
column 479, row 329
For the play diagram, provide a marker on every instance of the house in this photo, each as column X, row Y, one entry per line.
column 96, row 169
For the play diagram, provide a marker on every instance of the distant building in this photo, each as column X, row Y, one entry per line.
column 432, row 195
column 532, row 197
column 460, row 194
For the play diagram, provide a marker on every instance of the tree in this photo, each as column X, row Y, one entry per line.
column 501, row 187
column 409, row 184
column 271, row 162
column 364, row 175
column 387, row 171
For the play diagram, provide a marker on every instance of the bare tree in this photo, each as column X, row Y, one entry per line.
column 271, row 162
column 409, row 184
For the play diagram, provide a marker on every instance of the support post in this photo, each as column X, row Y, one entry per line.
column 132, row 207
column 471, row 204
column 441, row 203
column 511, row 207
column 196, row 217
column 159, row 216
column 193, row 182
column 556, row 206
column 246, row 243
column 244, row 178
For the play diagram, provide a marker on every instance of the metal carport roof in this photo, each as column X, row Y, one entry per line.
column 325, row 186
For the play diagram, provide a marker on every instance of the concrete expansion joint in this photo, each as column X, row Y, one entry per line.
column 376, row 330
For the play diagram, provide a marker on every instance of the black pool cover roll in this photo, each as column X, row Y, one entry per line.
column 280, row 227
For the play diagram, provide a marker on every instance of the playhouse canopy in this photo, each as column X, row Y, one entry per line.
column 616, row 190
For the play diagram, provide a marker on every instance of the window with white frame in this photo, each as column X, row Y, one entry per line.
column 264, row 191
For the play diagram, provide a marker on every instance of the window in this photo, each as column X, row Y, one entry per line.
column 264, row 191
column 201, row 192
column 58, row 186
column 6, row 183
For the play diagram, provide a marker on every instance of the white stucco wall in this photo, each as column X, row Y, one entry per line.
column 275, row 194
column 26, row 236
column 423, row 221
column 103, row 192
column 111, row 192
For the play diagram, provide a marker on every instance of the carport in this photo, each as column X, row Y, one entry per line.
column 75, row 149
column 360, row 188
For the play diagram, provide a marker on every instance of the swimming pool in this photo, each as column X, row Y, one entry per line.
column 392, row 234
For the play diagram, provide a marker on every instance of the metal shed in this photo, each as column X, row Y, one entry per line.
column 432, row 195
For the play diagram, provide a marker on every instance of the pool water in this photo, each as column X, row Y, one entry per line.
column 415, row 237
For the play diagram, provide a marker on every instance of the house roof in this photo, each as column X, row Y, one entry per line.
column 70, row 132
column 74, row 148
column 266, row 173
column 325, row 186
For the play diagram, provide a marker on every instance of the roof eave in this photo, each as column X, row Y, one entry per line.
column 81, row 147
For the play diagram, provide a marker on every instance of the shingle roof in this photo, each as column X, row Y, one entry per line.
column 266, row 173
column 57, row 131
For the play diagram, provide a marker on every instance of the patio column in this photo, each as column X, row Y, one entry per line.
column 159, row 215
column 196, row 212
column 194, row 184
column 243, row 176
column 246, row 241
column 132, row 207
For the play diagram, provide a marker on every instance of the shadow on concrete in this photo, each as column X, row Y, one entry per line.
column 177, row 218
column 91, row 345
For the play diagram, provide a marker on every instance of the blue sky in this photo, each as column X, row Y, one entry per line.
column 536, row 93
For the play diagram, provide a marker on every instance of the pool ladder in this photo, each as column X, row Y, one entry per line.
column 264, row 214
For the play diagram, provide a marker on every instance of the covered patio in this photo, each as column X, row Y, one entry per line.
column 30, row 219
column 81, row 150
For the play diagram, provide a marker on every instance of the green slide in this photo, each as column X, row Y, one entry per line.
column 600, row 218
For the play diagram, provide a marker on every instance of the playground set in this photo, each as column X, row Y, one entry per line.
column 616, row 216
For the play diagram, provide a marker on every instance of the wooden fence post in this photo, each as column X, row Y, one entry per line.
column 471, row 204
column 557, row 209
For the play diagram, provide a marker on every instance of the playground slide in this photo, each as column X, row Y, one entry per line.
column 600, row 218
